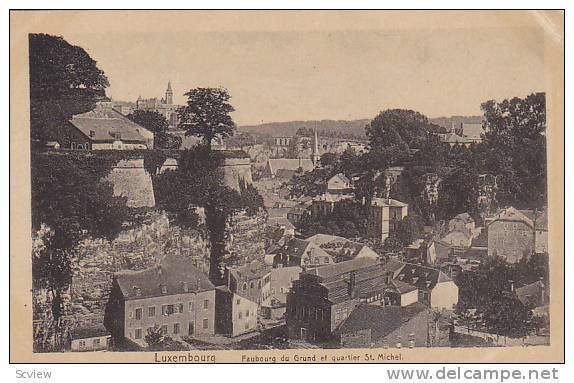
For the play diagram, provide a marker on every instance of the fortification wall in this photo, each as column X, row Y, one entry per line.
column 130, row 179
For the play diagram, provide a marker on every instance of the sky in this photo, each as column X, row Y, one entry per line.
column 331, row 71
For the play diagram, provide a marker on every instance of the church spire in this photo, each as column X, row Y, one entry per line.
column 315, row 157
column 169, row 94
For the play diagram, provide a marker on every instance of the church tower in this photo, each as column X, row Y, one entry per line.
column 169, row 94
column 315, row 156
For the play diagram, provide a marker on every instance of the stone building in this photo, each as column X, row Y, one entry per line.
column 163, row 106
column 173, row 295
column 384, row 215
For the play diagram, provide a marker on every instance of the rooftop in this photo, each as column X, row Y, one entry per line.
column 387, row 202
column 381, row 320
column 88, row 332
column 104, row 124
column 172, row 275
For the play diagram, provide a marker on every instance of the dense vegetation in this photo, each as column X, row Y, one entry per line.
column 64, row 81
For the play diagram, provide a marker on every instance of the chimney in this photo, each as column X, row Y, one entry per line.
column 511, row 285
column 351, row 286
column 388, row 277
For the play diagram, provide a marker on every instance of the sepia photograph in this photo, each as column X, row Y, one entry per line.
column 242, row 186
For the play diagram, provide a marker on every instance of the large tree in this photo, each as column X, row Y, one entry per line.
column 64, row 81
column 207, row 114
column 70, row 202
column 515, row 144
column 199, row 182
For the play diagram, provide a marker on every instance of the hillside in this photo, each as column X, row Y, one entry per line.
column 353, row 127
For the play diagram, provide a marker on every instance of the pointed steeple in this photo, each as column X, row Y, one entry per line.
column 169, row 94
column 315, row 156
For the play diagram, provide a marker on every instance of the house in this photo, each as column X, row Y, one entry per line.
column 322, row 298
column 282, row 223
column 341, row 248
column 294, row 164
column 511, row 234
column 533, row 295
column 435, row 288
column 282, row 280
column 462, row 222
column 384, row 215
column 251, row 281
column 238, row 303
column 298, row 213
column 236, row 314
column 173, row 295
column 93, row 338
column 339, row 183
column 385, row 326
column 324, row 204
column 104, row 128
column 298, row 252
column 283, row 141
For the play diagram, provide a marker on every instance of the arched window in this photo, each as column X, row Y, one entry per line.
column 245, row 286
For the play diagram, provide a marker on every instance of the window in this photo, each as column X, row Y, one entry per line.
column 176, row 328
column 167, row 309
column 82, row 343
column 240, row 315
column 206, row 323
column 139, row 313
column 259, row 284
column 238, row 301
column 138, row 333
column 247, row 313
column 245, row 286
column 163, row 289
column 190, row 306
column 96, row 342
column 281, row 290
column 180, row 308
column 206, row 304
column 164, row 329
column 151, row 311
column 251, row 284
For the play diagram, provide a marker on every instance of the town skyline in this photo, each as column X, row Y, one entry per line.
column 336, row 74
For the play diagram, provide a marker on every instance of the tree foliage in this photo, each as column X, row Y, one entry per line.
column 70, row 201
column 207, row 114
column 64, row 81
column 515, row 148
column 157, row 124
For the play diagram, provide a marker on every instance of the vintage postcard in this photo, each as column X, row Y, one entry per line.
column 287, row 186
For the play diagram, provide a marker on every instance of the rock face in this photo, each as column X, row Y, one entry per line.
column 131, row 180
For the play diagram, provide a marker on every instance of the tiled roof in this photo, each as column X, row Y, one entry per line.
column 381, row 320
column 423, row 277
column 106, row 123
column 342, row 177
column 174, row 272
column 512, row 214
column 336, row 269
column 252, row 270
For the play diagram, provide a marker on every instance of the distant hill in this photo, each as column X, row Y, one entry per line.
column 276, row 129
column 353, row 127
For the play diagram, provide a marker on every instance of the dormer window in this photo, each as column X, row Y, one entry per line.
column 92, row 133
column 185, row 286
column 137, row 291
column 163, row 289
